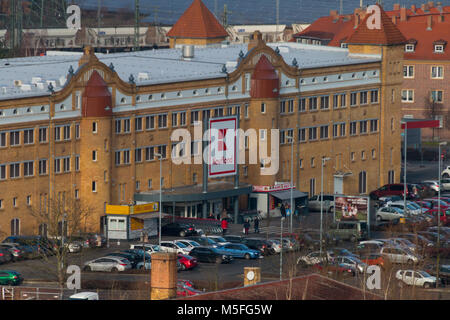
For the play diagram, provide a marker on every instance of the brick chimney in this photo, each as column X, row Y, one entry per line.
column 394, row 19
column 396, row 6
column 403, row 15
column 424, row 7
column 413, row 8
column 164, row 276
column 430, row 4
column 357, row 20
column 430, row 23
column 334, row 13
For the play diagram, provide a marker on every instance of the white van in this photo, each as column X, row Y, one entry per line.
column 84, row 296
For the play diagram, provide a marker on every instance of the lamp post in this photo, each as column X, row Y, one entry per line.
column 281, row 252
column 160, row 194
column 405, row 139
column 439, row 214
column 321, row 203
column 292, row 182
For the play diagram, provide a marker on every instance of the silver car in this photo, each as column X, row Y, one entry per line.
column 108, row 264
column 399, row 255
column 410, row 208
column 352, row 262
column 405, row 243
column 389, row 213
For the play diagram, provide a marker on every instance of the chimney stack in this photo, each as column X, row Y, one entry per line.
column 424, row 7
column 396, row 6
column 430, row 4
column 333, row 13
column 403, row 15
column 413, row 8
column 394, row 19
column 429, row 23
column 164, row 276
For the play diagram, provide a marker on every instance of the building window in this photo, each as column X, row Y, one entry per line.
column 94, row 186
column 313, row 162
column 437, row 72
column 28, row 200
column 195, row 117
column 138, row 124
column 2, row 139
column 94, row 155
column 324, row 132
column 66, row 132
column 437, row 96
column 66, row 164
column 407, row 96
column 343, row 100
column 363, row 98
column 335, row 130
column 162, row 150
column 374, row 125
column 263, row 107
column 14, row 138
column 374, row 96
column 3, row 172
column 149, row 183
column 1, row 204
column 77, row 194
column 246, row 111
column 362, row 187
column 117, row 158
column 302, row 134
column 312, row 187
column 42, row 135
column 57, row 132
column 262, row 134
column 391, row 176
column 14, row 170
column 174, row 119
column 94, row 127
column 77, row 131
column 126, row 157
column 182, row 118
column 363, row 126
column 290, row 105
column 302, row 105
column 438, row 48
column 138, row 155
column 138, row 185
column 28, row 169
column 149, row 122
column 408, row 71
column 363, row 155
column 353, row 128
column 57, row 168
column 118, row 126
column 374, row 154
column 409, row 48
column 324, row 102
column 28, row 136
column 343, row 129
column 149, row 154
column 15, row 225
column 42, row 167
column 282, row 136
column 126, row 125
column 312, row 103
column 335, row 101
column 352, row 156
column 162, row 121
column 353, row 98
column 313, row 133
column 77, row 163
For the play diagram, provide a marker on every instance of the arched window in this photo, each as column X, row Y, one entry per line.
column 15, row 227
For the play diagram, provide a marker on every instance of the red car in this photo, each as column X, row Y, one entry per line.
column 373, row 259
column 394, row 190
column 187, row 262
column 335, row 268
column 185, row 288
column 445, row 215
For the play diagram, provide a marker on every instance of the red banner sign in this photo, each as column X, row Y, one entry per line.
column 421, row 124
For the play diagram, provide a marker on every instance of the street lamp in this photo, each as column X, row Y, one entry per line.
column 292, row 181
column 160, row 193
column 439, row 214
column 321, row 203
column 281, row 252
column 405, row 139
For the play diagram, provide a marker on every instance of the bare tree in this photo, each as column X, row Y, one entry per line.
column 434, row 109
column 63, row 218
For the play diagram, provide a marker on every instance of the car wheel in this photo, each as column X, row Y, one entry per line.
column 114, row 270
column 182, row 234
column 218, row 260
column 247, row 256
column 379, row 218
column 142, row 267
column 11, row 283
column 410, row 262
column 446, row 176
column 87, row 268
column 427, row 285
column 183, row 267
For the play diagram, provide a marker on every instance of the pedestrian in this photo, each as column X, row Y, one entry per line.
column 283, row 210
column 224, row 226
column 246, row 227
column 256, row 224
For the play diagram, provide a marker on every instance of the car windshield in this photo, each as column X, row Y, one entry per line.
column 194, row 243
column 181, row 245
column 415, row 205
column 424, row 274
column 445, row 268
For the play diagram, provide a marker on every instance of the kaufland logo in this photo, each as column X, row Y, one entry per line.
column 224, row 146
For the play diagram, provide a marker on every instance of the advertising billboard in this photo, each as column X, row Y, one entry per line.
column 222, row 147
column 351, row 208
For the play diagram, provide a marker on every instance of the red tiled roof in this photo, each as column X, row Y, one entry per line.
column 197, row 22
column 388, row 34
column 413, row 28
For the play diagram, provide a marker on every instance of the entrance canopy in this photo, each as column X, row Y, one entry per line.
column 286, row 194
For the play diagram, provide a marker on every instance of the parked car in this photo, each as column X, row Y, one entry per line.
column 261, row 245
column 343, row 252
column 314, row 203
column 369, row 247
column 91, row 240
column 233, row 238
column 131, row 257
column 444, row 272
column 372, row 259
column 444, row 217
column 335, row 268
column 190, row 244
column 436, row 201
column 389, row 213
column 204, row 241
column 410, row 208
column 10, row 278
column 393, row 190
column 140, row 254
column 417, row 239
column 178, row 229
column 315, row 257
column 85, row 296
column 187, row 262
column 399, row 255
column 174, row 246
column 443, row 230
column 276, row 245
column 147, row 265
column 17, row 251
column 346, row 230
column 445, row 184
column 446, row 172
column 311, row 239
column 209, row 254
column 433, row 184
column 425, row 204
column 416, row 278
column 219, row 240
column 108, row 264
column 31, row 243
column 149, row 248
column 5, row 256
column 239, row 250
column 184, row 290
column 353, row 262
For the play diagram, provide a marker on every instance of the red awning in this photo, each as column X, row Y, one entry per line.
column 421, row 124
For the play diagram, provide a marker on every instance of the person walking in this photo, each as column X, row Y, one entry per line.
column 246, row 227
column 224, row 225
column 256, row 224
column 283, row 210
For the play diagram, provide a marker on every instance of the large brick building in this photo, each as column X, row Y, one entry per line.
column 425, row 89
column 94, row 133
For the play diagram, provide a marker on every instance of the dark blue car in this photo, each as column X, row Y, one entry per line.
column 238, row 250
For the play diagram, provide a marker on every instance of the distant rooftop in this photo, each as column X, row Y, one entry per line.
column 161, row 66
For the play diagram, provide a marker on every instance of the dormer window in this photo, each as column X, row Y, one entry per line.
column 438, row 48
column 409, row 48
column 344, row 45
